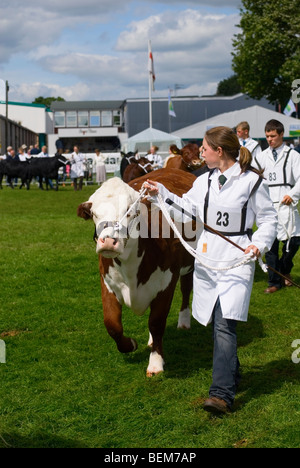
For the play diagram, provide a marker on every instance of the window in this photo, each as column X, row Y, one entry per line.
column 95, row 118
column 107, row 119
column 59, row 119
column 117, row 118
column 83, row 119
column 71, row 119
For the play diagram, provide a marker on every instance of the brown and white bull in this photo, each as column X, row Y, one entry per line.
column 139, row 265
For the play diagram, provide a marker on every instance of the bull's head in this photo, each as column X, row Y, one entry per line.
column 108, row 207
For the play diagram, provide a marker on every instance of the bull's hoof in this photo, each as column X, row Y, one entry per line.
column 184, row 319
column 128, row 345
column 156, row 364
column 153, row 374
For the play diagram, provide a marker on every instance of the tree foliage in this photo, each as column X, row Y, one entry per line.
column 47, row 101
column 229, row 87
column 266, row 54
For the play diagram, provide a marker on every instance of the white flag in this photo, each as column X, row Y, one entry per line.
column 2, row 90
column 171, row 108
column 290, row 108
column 151, row 66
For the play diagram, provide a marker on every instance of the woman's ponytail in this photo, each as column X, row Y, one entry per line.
column 245, row 159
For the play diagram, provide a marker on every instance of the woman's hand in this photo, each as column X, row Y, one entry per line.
column 287, row 200
column 254, row 250
column 152, row 187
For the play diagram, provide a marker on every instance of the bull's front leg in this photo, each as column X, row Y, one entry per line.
column 160, row 308
column 112, row 314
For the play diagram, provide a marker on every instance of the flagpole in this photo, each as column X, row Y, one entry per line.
column 150, row 101
column 170, row 124
column 150, row 86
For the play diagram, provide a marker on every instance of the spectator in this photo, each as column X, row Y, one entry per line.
column 154, row 158
column 35, row 150
column 11, row 156
column 44, row 154
column 100, row 167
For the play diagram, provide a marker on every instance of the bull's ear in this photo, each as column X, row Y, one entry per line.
column 84, row 211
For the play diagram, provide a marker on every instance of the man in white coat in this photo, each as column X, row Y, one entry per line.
column 243, row 133
column 281, row 166
column 230, row 198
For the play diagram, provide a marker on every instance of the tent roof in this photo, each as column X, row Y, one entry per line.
column 256, row 116
column 142, row 141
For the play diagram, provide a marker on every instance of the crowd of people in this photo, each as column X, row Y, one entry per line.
column 77, row 169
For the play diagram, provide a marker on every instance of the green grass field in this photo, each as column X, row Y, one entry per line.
column 64, row 384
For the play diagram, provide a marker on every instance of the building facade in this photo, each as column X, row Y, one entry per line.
column 88, row 125
column 188, row 110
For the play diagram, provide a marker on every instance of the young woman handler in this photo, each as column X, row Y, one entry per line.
column 230, row 199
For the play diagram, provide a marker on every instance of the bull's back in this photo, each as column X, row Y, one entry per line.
column 175, row 180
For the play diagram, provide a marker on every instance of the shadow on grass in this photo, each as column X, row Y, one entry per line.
column 188, row 351
column 266, row 379
column 40, row 440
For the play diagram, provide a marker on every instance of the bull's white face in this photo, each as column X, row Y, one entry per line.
column 109, row 205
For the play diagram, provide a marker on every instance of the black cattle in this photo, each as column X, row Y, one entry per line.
column 14, row 170
column 46, row 168
column 2, row 171
column 126, row 160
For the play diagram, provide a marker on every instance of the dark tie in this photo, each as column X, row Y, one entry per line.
column 222, row 180
column 244, row 143
column 274, row 155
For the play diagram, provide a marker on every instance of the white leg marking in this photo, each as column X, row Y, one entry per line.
column 156, row 364
column 150, row 341
column 184, row 319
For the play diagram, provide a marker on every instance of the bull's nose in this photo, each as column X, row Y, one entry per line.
column 107, row 244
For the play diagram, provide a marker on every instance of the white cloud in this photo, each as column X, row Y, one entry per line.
column 190, row 47
column 193, row 49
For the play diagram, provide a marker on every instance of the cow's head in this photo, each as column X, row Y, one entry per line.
column 108, row 207
column 191, row 156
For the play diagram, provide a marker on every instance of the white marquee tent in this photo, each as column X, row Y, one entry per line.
column 144, row 140
column 256, row 116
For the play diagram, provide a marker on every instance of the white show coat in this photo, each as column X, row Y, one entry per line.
column 252, row 145
column 283, row 178
column 77, row 165
column 232, row 286
column 155, row 159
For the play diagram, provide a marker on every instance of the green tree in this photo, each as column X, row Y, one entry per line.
column 46, row 101
column 266, row 55
column 229, row 87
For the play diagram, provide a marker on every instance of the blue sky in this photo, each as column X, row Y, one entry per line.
column 97, row 49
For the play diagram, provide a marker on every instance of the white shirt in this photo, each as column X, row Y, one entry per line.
column 252, row 145
column 155, row 159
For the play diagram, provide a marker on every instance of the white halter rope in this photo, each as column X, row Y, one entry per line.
column 246, row 258
column 119, row 224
